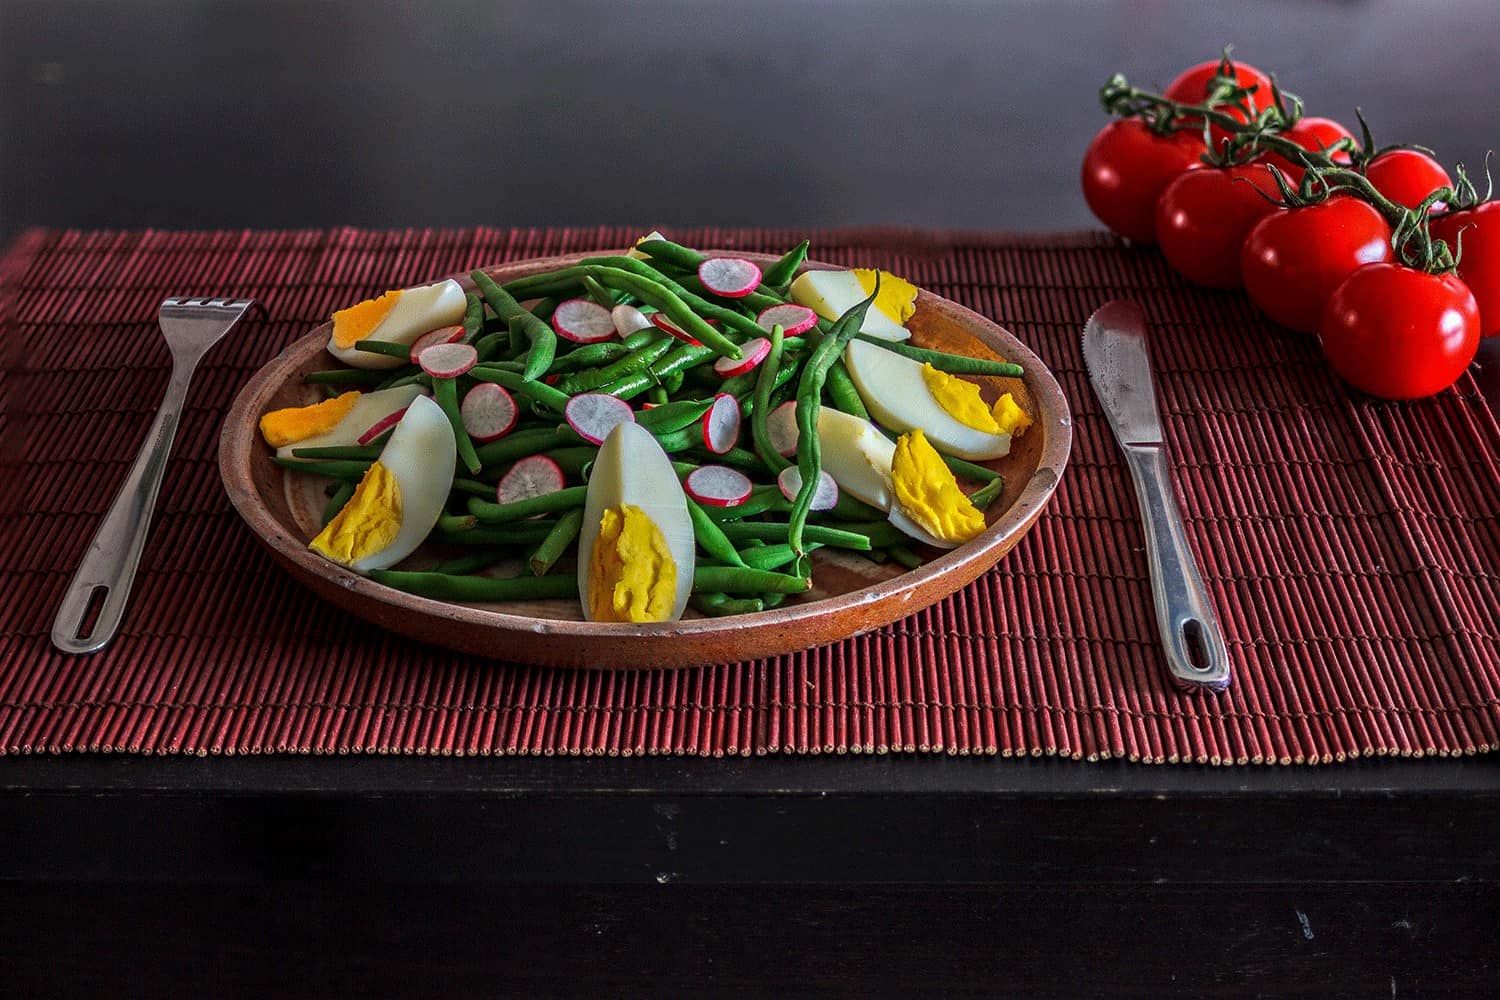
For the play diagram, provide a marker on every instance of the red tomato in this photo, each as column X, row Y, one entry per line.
column 1125, row 169
column 1315, row 134
column 1406, row 176
column 1293, row 260
column 1479, row 264
column 1191, row 87
column 1203, row 217
column 1399, row 333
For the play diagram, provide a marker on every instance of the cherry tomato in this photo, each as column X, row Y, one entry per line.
column 1399, row 333
column 1125, row 169
column 1406, row 176
column 1203, row 217
column 1191, row 87
column 1293, row 260
column 1479, row 261
column 1315, row 134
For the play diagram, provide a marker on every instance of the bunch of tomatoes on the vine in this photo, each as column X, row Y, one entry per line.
column 1377, row 252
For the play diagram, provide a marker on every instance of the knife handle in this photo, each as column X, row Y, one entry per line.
column 1189, row 629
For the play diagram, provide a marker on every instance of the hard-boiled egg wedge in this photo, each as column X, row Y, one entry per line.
column 401, row 496
column 905, row 478
column 635, row 552
column 904, row 394
column 334, row 422
column 830, row 294
column 398, row 317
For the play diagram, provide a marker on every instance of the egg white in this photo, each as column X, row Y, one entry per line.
column 830, row 294
column 418, row 311
column 367, row 411
column 896, row 394
column 420, row 456
column 631, row 468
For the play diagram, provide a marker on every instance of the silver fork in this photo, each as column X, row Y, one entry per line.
column 94, row 603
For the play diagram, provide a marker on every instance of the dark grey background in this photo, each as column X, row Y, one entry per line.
column 795, row 112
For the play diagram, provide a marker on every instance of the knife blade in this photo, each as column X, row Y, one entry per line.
column 1119, row 367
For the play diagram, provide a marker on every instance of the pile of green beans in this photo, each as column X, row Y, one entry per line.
column 751, row 556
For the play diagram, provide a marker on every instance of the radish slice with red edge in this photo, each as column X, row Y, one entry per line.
column 721, row 424
column 752, row 352
column 448, row 360
column 629, row 319
column 583, row 322
column 792, row 318
column 824, row 497
column 781, row 429
column 532, row 476
column 382, row 425
column 729, row 277
column 593, row 415
column 488, row 412
column 442, row 335
column 718, row 486
column 663, row 323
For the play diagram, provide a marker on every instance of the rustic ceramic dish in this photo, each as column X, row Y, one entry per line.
column 852, row 594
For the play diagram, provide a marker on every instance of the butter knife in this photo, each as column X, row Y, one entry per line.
column 1114, row 350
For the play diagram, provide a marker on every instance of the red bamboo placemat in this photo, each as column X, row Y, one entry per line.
column 1352, row 546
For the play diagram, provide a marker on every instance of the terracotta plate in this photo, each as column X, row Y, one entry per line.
column 852, row 594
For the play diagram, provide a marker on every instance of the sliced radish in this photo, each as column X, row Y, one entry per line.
column 781, row 429
column 488, row 412
column 729, row 277
column 583, row 321
column 382, row 425
column 752, row 352
column 442, row 335
column 448, row 360
column 593, row 415
column 718, row 486
column 792, row 318
column 824, row 497
column 532, row 476
column 721, row 424
column 661, row 321
column 628, row 319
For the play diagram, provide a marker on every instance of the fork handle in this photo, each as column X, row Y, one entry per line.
column 115, row 552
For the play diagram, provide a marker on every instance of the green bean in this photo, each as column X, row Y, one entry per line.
column 809, row 402
column 839, row 538
column 519, row 444
column 523, row 533
column 786, row 375
column 332, row 469
column 843, row 394
column 988, row 493
column 445, row 391
column 544, row 308
column 640, row 338
column 905, row 556
column 657, row 395
column 672, row 382
column 731, row 318
column 473, row 317
column 348, row 452
column 539, row 392
column 449, row 523
column 491, row 345
column 719, row 605
column 346, row 376
column 336, row 502
column 515, row 332
column 847, row 508
column 547, row 503
column 682, row 357
column 673, row 253
column 780, row 274
column 485, row 589
column 601, row 295
column 763, row 499
column 953, row 364
column 738, row 580
column 675, row 415
column 671, row 305
column 881, row 533
column 469, row 562
column 407, row 375
column 542, row 337
column 385, row 347
column 771, row 556
column 978, row 473
column 562, row 535
column 572, row 459
column 737, row 458
column 760, row 412
column 632, row 364
column 589, row 356
column 473, row 487
column 710, row 536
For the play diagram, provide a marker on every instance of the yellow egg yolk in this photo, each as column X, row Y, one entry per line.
column 1009, row 415
column 298, row 423
column 898, row 297
column 358, row 321
column 632, row 576
column 928, row 492
column 368, row 523
column 960, row 399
